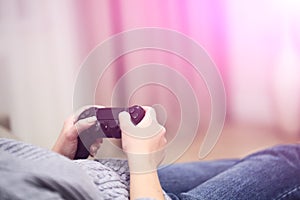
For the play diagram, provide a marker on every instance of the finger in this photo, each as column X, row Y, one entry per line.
column 149, row 118
column 84, row 124
column 151, row 112
column 69, row 122
column 93, row 149
column 95, row 146
column 148, row 128
column 163, row 142
column 99, row 141
column 125, row 120
column 79, row 111
column 163, row 130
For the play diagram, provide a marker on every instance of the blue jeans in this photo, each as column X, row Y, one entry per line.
column 269, row 174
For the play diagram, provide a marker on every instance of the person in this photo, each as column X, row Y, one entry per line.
column 143, row 155
column 30, row 172
column 273, row 173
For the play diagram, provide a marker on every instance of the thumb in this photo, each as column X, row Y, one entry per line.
column 84, row 124
column 125, row 120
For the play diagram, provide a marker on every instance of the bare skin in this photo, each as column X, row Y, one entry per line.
column 66, row 143
column 148, row 151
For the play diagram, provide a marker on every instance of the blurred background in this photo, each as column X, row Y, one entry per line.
column 254, row 44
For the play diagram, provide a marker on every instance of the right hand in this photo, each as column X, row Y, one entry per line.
column 144, row 143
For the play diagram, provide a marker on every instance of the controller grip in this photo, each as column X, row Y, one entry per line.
column 89, row 137
column 82, row 152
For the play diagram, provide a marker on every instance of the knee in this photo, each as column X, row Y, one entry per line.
column 285, row 154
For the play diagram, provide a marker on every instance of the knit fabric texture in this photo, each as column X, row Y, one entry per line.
column 110, row 176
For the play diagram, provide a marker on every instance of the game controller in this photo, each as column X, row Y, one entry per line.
column 107, row 126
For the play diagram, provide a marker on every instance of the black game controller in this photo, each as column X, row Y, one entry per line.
column 107, row 126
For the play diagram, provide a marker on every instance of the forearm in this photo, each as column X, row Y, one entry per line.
column 145, row 185
column 144, row 145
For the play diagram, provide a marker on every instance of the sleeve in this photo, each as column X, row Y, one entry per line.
column 111, row 176
column 29, row 172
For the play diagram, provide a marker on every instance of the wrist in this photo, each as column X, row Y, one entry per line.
column 140, row 161
column 144, row 163
column 138, row 189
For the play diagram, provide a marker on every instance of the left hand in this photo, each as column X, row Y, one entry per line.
column 66, row 143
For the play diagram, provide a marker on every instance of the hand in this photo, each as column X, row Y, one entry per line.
column 66, row 143
column 144, row 143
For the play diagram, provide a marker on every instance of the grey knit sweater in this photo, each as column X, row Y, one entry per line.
column 30, row 172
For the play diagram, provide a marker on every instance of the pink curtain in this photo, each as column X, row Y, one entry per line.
column 255, row 46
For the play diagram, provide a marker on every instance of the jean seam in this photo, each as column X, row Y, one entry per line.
column 285, row 194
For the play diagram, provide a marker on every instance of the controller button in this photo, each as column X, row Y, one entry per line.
column 135, row 115
column 131, row 110
column 105, row 126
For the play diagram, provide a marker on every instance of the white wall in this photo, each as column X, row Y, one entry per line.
column 264, row 63
column 37, row 67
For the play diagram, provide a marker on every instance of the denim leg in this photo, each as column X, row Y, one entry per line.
column 182, row 177
column 270, row 174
